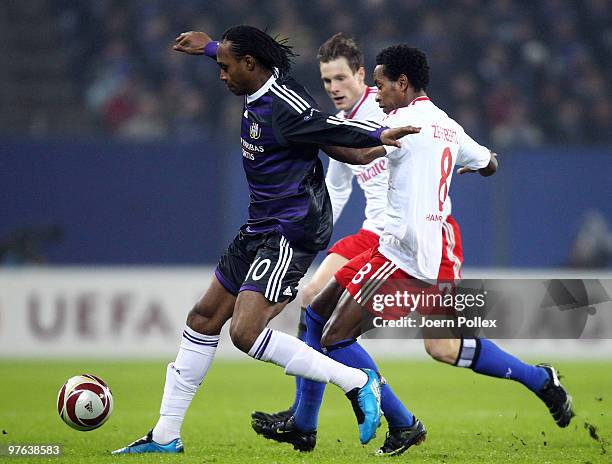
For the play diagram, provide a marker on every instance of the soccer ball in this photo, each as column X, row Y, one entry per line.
column 85, row 402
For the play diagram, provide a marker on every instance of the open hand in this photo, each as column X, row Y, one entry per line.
column 392, row 135
column 192, row 42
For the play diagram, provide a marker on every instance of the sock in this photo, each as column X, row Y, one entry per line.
column 183, row 377
column 352, row 354
column 299, row 359
column 301, row 334
column 485, row 357
column 311, row 393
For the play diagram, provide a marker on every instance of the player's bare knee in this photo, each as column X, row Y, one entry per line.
column 242, row 337
column 332, row 334
column 325, row 301
column 204, row 321
column 318, row 304
column 327, row 339
column 443, row 350
column 309, row 292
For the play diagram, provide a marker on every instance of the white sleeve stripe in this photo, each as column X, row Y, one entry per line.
column 350, row 122
column 296, row 95
column 372, row 127
column 286, row 96
column 285, row 92
column 298, row 110
column 372, row 124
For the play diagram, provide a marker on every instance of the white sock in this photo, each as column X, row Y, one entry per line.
column 183, row 377
column 301, row 360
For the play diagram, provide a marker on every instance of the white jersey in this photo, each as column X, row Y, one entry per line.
column 420, row 174
column 371, row 178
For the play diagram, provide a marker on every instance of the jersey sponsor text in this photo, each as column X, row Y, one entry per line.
column 372, row 171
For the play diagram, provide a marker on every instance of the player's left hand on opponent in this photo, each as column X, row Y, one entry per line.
column 192, row 42
column 392, row 135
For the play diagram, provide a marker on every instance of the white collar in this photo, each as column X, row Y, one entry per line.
column 359, row 101
column 262, row 90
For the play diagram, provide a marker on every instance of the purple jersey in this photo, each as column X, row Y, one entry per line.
column 282, row 130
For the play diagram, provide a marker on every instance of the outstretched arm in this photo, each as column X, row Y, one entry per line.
column 354, row 155
column 306, row 124
column 389, row 136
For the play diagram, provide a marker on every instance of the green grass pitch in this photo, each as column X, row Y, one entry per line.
column 470, row 418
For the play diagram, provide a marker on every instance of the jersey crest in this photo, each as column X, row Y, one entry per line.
column 254, row 130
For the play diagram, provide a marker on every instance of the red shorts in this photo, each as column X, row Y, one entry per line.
column 353, row 245
column 370, row 276
column 452, row 251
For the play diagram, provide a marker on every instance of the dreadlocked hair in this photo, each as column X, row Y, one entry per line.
column 270, row 52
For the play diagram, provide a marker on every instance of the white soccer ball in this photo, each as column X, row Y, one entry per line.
column 85, row 402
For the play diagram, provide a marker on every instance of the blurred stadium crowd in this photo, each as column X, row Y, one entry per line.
column 513, row 73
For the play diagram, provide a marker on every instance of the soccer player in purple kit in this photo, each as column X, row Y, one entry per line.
column 290, row 221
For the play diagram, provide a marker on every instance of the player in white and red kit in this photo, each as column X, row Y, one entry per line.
column 416, row 244
column 411, row 246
